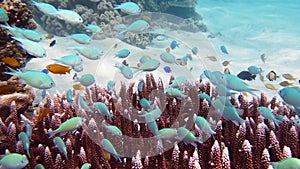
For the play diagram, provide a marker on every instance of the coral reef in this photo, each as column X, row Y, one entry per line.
column 14, row 92
column 250, row 145
column 20, row 16
column 100, row 13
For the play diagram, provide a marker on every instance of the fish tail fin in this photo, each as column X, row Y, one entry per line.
column 34, row 2
column 51, row 133
column 160, row 143
column 276, row 121
column 71, row 48
column 274, row 164
column 116, row 6
column 241, row 121
column 69, row 71
column 199, row 140
column 13, row 72
column 184, row 96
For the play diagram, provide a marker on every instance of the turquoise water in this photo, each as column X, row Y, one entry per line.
column 251, row 28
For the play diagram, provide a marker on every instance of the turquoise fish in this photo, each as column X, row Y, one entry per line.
column 122, row 53
column 128, row 7
column 136, row 27
column 46, row 8
column 152, row 115
column 254, row 70
column 90, row 52
column 110, row 85
column 28, row 129
column 61, row 146
column 14, row 161
column 214, row 77
column 3, row 15
column 34, row 78
column 204, row 125
column 86, row 166
column 145, row 104
column 228, row 112
column 223, row 91
column 168, row 57
column 25, row 141
column 267, row 114
column 179, row 82
column 83, row 104
column 173, row 92
column 102, row 108
column 234, row 83
column 174, row 44
column 223, row 49
column 31, row 35
column 288, row 163
column 107, row 146
column 68, row 16
column 205, row 96
column 39, row 166
column 291, row 95
column 32, row 48
column 149, row 65
column 125, row 70
column 69, row 125
column 188, row 137
column 71, row 60
column 80, row 38
column 167, row 133
column 86, row 79
column 112, row 129
column 93, row 28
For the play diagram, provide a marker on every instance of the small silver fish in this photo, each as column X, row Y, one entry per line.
column 288, row 76
column 68, row 16
column 212, row 58
column 263, row 58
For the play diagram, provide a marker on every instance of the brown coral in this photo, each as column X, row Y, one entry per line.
column 250, row 145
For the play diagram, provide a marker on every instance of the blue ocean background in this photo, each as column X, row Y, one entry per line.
column 250, row 28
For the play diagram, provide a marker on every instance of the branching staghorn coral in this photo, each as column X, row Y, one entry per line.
column 253, row 144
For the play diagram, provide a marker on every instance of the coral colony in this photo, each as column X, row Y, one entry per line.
column 254, row 144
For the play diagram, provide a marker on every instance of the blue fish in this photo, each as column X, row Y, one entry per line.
column 3, row 15
column 140, row 86
column 60, row 144
column 254, row 70
column 195, row 50
column 136, row 27
column 93, row 28
column 122, row 53
column 14, row 161
column 125, row 70
column 129, row 8
column 69, row 96
column 223, row 49
column 46, row 8
column 102, row 108
column 86, row 80
column 108, row 146
column 167, row 69
column 174, row 44
column 110, row 85
column 34, row 78
column 25, row 141
column 80, row 38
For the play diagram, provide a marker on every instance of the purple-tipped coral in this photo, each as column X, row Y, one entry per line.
column 253, row 144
